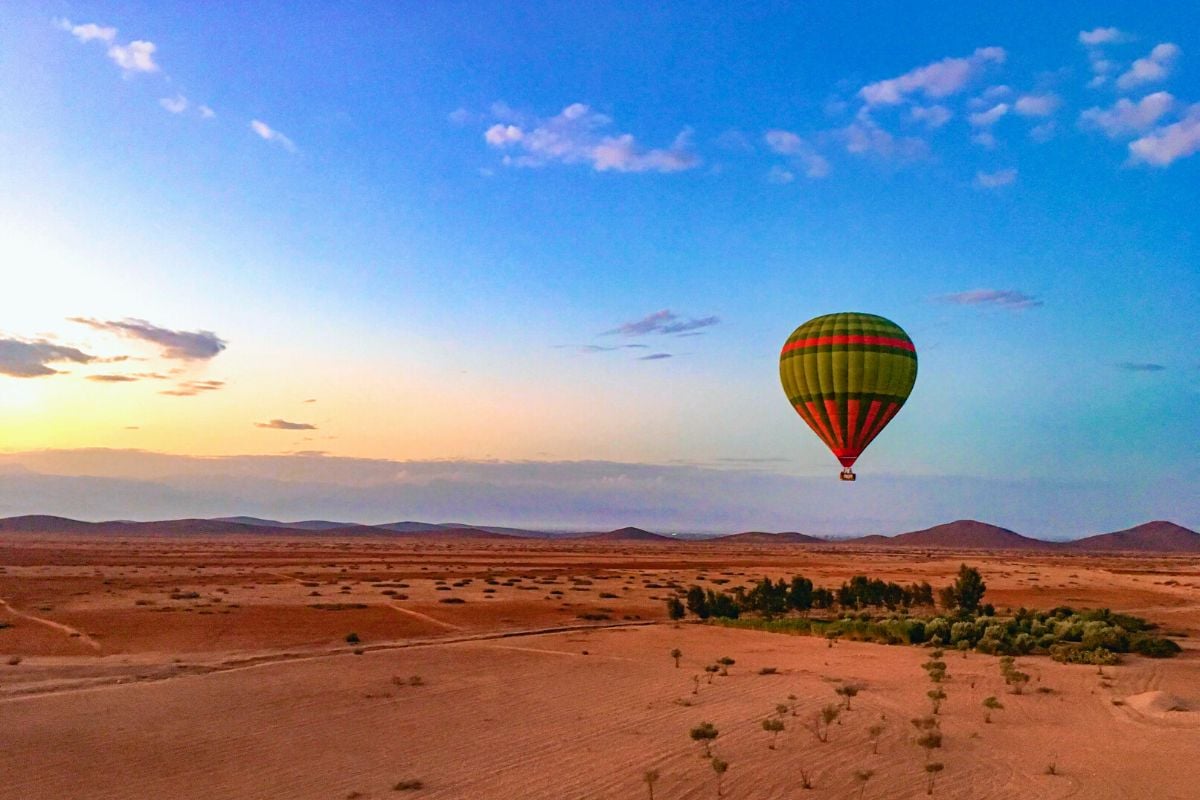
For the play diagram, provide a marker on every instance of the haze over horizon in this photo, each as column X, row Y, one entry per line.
column 534, row 267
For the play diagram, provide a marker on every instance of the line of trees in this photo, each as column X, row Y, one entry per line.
column 772, row 598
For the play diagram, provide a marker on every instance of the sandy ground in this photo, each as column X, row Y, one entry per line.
column 246, row 690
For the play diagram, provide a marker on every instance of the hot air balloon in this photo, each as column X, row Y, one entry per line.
column 847, row 375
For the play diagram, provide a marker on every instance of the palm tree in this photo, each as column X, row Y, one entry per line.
column 773, row 727
column 719, row 767
column 705, row 732
column 650, row 776
column 991, row 704
column 932, row 769
column 862, row 776
column 676, row 654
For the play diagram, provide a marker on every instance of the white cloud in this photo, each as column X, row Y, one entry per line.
column 89, row 32
column 1126, row 117
column 1101, row 36
column 1011, row 299
column 271, row 135
column 499, row 135
column 786, row 143
column 1037, row 105
column 1166, row 144
column 778, row 174
column 984, row 138
column 1153, row 67
column 866, row 137
column 939, row 79
column 931, row 117
column 994, row 180
column 576, row 136
column 206, row 112
column 985, row 119
column 460, row 116
column 1044, row 132
column 137, row 56
column 176, row 105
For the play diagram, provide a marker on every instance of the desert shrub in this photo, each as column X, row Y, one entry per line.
column 408, row 785
column 452, row 600
column 937, row 628
column 1071, row 653
column 964, row 630
column 1154, row 647
column 768, row 671
column 352, row 638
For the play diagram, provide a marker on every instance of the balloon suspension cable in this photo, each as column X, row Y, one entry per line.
column 848, row 475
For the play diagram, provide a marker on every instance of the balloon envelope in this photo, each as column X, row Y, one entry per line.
column 847, row 375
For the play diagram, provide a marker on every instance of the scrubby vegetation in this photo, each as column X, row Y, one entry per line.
column 871, row 610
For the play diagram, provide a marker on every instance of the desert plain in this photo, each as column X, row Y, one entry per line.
column 300, row 666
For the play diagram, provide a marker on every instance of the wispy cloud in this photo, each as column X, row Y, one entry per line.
column 662, row 322
column 176, row 105
column 180, row 345
column 936, row 80
column 135, row 56
column 1140, row 366
column 1010, row 299
column 112, row 378
column 932, row 117
column 578, row 135
column 31, row 359
column 1037, row 105
column 193, row 388
column 1170, row 142
column 269, row 134
column 284, row 425
column 984, row 119
column 656, row 357
column 598, row 348
column 1154, row 67
column 780, row 175
column 1125, row 117
column 89, row 32
column 801, row 153
column 1101, row 66
column 865, row 137
column 1101, row 36
column 994, row 180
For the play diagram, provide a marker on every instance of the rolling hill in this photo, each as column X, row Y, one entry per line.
column 967, row 534
column 626, row 535
column 1158, row 536
column 764, row 537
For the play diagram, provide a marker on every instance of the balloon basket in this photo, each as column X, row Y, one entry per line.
column 848, row 475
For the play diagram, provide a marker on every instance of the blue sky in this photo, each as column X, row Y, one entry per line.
column 433, row 220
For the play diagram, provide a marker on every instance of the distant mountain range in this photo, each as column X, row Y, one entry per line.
column 1158, row 536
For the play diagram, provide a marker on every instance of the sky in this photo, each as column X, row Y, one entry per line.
column 534, row 262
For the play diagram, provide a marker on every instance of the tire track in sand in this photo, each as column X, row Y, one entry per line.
column 49, row 623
